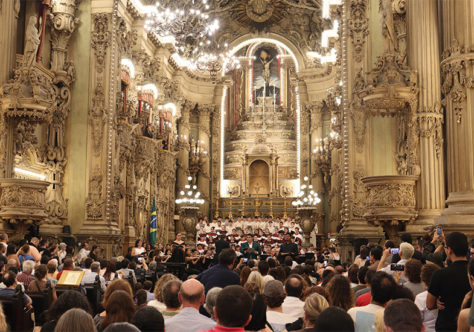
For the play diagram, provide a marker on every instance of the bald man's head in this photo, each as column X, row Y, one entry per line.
column 294, row 285
column 191, row 293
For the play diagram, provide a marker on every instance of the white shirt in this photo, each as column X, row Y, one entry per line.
column 364, row 317
column 293, row 306
column 267, row 278
column 429, row 316
column 189, row 320
column 278, row 320
column 89, row 278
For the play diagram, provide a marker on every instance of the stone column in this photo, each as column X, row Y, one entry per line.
column 183, row 146
column 457, row 87
column 8, row 35
column 423, row 56
column 204, row 172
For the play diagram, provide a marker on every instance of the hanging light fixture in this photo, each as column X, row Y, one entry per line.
column 306, row 197
column 190, row 196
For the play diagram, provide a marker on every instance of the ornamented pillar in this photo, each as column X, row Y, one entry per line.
column 423, row 56
column 63, row 24
column 204, row 172
column 457, row 87
column 183, row 147
column 8, row 35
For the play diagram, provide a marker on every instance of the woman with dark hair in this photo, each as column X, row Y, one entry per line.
column 39, row 284
column 67, row 300
column 244, row 275
column 259, row 309
column 413, row 274
column 119, row 308
column 177, row 250
column 138, row 249
column 116, row 285
column 340, row 293
column 110, row 272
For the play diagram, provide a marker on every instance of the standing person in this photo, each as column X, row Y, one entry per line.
column 83, row 253
column 429, row 316
column 138, row 249
column 177, row 250
column 220, row 244
column 250, row 249
column 449, row 285
column 221, row 275
column 288, row 248
column 406, row 237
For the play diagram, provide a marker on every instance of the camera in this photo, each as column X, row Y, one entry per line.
column 397, row 267
column 394, row 251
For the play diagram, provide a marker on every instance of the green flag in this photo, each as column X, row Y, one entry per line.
column 153, row 224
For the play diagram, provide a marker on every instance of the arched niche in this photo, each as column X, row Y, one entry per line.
column 259, row 178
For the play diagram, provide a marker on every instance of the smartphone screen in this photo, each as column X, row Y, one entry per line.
column 325, row 263
column 394, row 251
column 439, row 230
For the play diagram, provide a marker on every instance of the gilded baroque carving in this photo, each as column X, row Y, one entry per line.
column 100, row 38
column 358, row 26
column 97, row 117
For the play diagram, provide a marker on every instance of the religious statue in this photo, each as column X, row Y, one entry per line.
column 32, row 41
column 266, row 61
column 388, row 26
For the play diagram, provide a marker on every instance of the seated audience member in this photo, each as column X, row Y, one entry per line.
column 39, row 284
column 68, row 300
column 402, row 315
column 259, row 309
column 147, row 285
column 463, row 323
column 406, row 253
column 25, row 276
column 191, row 296
column 52, row 268
column 406, row 238
column 375, row 257
column 448, row 286
column 148, row 319
column 313, row 306
column 76, row 320
column 256, row 278
column 211, row 298
column 232, row 310
column 91, row 276
column 363, row 296
column 220, row 275
column 264, row 268
column 119, row 308
column 340, row 293
column 292, row 305
column 118, row 284
column 10, row 282
column 127, row 269
column 274, row 295
column 244, row 275
column 158, row 301
column 429, row 316
column 361, row 284
column 334, row 319
column 68, row 265
column 140, row 298
column 352, row 275
column 170, row 298
column 413, row 275
column 382, row 289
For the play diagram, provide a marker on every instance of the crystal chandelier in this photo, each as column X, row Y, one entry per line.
column 306, row 197
column 189, row 196
column 189, row 26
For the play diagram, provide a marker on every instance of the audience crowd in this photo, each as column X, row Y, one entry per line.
column 245, row 275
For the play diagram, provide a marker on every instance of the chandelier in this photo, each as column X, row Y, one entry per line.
column 307, row 197
column 189, row 26
column 190, row 196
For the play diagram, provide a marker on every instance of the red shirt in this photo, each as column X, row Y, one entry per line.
column 219, row 328
column 364, row 299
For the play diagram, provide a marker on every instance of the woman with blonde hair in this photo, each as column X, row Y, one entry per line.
column 256, row 278
column 76, row 320
column 314, row 304
column 158, row 301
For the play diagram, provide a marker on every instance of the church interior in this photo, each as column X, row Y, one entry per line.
column 354, row 117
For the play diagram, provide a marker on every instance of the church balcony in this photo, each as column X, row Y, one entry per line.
column 22, row 204
column 390, row 201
